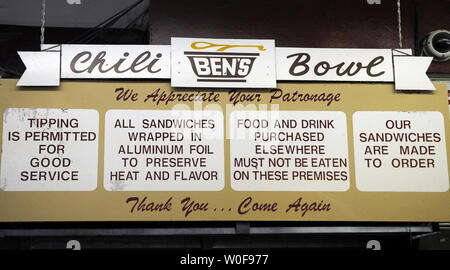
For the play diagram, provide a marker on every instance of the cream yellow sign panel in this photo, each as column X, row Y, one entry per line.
column 354, row 201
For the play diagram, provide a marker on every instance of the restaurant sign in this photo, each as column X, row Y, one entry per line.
column 129, row 151
column 224, row 63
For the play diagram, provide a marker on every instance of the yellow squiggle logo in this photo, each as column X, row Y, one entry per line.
column 222, row 47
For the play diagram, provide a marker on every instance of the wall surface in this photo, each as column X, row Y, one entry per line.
column 321, row 23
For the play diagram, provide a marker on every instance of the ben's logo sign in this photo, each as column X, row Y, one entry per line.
column 223, row 63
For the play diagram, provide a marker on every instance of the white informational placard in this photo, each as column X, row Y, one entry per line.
column 289, row 151
column 49, row 150
column 115, row 61
column 323, row 64
column 242, row 63
column 400, row 151
column 164, row 150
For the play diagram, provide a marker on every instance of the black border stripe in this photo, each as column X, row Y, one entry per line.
column 219, row 80
column 221, row 53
